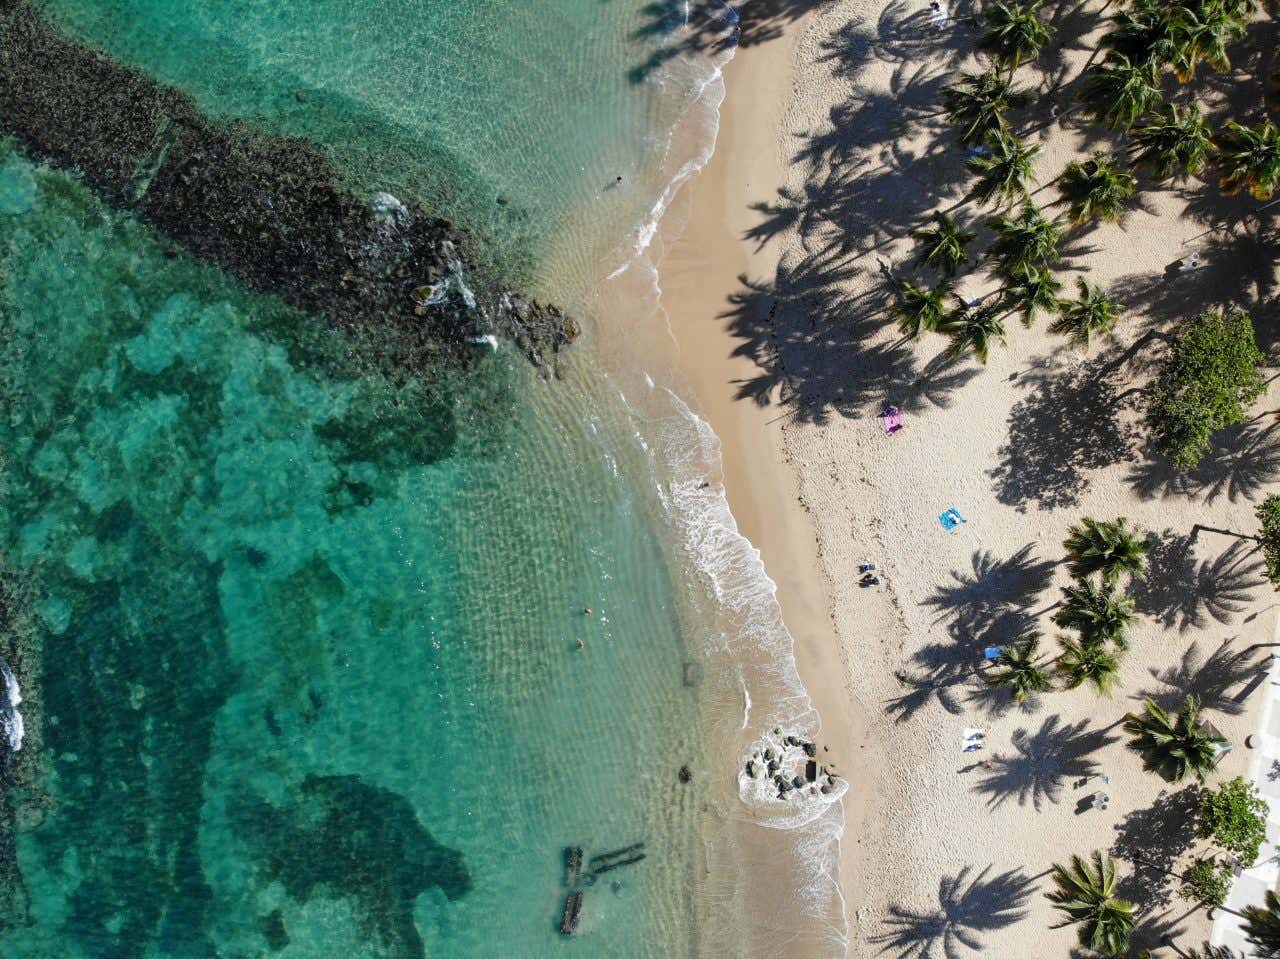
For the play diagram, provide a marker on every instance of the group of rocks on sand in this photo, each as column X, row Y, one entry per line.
column 794, row 767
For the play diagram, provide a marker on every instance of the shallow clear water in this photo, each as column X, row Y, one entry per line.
column 304, row 693
column 503, row 113
column 310, row 680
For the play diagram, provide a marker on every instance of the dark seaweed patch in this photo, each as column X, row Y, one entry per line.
column 343, row 838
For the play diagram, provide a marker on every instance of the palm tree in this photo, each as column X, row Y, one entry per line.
column 1249, row 158
column 920, row 309
column 1022, row 675
column 1090, row 663
column 1207, row 31
column 978, row 104
column 1014, row 32
column 1119, row 91
column 1262, row 927
column 1174, row 143
column 1097, row 612
column 1107, row 548
column 1093, row 314
column 943, row 245
column 1086, row 893
column 1176, row 745
column 973, row 330
column 1095, row 188
column 1025, row 239
column 1032, row 289
column 1179, row 35
column 1004, row 172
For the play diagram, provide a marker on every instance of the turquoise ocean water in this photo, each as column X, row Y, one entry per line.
column 307, row 679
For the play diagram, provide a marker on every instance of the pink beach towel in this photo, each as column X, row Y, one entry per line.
column 892, row 420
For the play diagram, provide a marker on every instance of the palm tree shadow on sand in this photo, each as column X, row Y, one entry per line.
column 819, row 351
column 993, row 586
column 967, row 909
column 1242, row 460
column 709, row 27
column 1042, row 763
column 1211, row 678
column 949, row 671
column 939, row 671
column 1185, row 594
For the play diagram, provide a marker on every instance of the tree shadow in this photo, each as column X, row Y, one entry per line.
column 939, row 671
column 1242, row 460
column 1242, row 260
column 1152, row 840
column 1155, row 932
column 1065, row 428
column 820, row 351
column 1184, row 594
column 967, row 909
column 712, row 27
column 991, row 586
column 1042, row 762
column 1210, row 677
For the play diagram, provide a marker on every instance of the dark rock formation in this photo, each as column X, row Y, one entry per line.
column 267, row 208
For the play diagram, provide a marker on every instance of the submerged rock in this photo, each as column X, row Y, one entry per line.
column 268, row 208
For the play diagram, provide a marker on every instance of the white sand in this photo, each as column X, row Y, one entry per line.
column 940, row 853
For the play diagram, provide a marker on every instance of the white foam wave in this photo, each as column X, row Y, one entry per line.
column 736, row 594
column 10, row 718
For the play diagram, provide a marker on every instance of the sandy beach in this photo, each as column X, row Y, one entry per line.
column 829, row 152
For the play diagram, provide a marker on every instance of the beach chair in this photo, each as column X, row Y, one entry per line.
column 892, row 417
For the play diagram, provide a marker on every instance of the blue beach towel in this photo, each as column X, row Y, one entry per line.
column 950, row 519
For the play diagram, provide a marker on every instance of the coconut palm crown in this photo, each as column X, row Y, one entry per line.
column 1088, row 662
column 1086, row 894
column 1176, row 745
column 1015, row 33
column 1026, row 238
column 1019, row 672
column 1144, row 33
column 1096, row 189
column 973, row 331
column 1032, row 290
column 943, row 244
column 1097, row 612
column 1262, row 927
column 1005, row 170
column 1249, row 159
column 1109, row 548
column 979, row 103
column 1092, row 314
column 921, row 309
column 1120, row 91
column 1174, row 142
